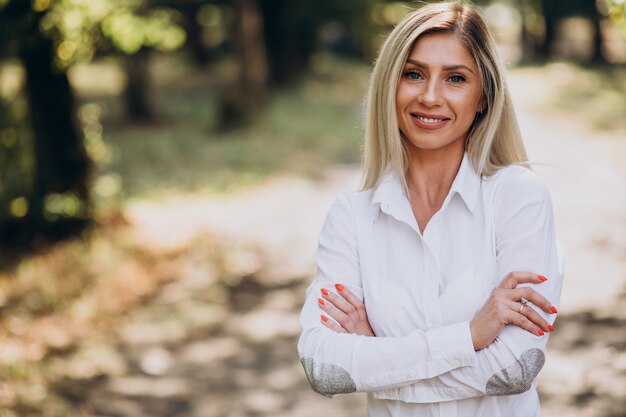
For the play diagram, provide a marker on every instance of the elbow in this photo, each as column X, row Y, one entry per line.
column 517, row 378
column 327, row 379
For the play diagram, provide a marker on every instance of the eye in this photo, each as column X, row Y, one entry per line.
column 412, row 75
column 456, row 79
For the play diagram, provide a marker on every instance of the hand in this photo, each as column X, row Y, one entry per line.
column 347, row 310
column 504, row 306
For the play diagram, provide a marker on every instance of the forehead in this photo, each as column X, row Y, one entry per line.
column 441, row 49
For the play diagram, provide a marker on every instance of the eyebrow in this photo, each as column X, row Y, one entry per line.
column 445, row 67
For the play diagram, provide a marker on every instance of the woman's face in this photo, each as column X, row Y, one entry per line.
column 439, row 94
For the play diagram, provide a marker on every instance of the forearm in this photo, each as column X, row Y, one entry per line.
column 499, row 370
column 341, row 362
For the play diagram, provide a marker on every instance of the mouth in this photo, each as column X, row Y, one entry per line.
column 429, row 120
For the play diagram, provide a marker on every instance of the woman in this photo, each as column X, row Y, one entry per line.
column 419, row 299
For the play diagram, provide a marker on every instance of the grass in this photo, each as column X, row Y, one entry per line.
column 301, row 130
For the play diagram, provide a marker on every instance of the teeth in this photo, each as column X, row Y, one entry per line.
column 429, row 120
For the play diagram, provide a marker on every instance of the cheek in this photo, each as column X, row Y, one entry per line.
column 467, row 105
column 402, row 96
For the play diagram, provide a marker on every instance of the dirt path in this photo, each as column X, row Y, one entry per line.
column 204, row 349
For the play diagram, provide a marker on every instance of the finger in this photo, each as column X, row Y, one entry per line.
column 535, row 298
column 520, row 320
column 332, row 325
column 340, row 302
column 353, row 300
column 513, row 279
column 339, row 316
column 532, row 316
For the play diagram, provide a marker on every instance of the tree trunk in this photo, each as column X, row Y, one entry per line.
column 242, row 97
column 137, row 94
column 598, row 56
column 550, row 17
column 194, row 36
column 62, row 164
column 280, row 38
column 527, row 40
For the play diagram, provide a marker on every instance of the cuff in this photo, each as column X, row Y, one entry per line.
column 452, row 344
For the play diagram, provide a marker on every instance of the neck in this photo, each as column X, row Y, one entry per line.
column 431, row 173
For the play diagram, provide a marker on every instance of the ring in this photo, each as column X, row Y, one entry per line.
column 523, row 303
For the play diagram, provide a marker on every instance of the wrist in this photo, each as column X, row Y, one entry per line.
column 475, row 333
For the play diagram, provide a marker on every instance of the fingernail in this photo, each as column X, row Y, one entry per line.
column 542, row 278
column 553, row 310
column 540, row 332
column 550, row 327
column 339, row 287
column 324, row 318
column 319, row 300
column 324, row 291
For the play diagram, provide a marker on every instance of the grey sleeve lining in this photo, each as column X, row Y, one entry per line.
column 517, row 378
column 327, row 379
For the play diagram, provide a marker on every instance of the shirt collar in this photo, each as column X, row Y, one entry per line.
column 467, row 183
column 391, row 193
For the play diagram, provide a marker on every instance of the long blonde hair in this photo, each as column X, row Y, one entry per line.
column 494, row 139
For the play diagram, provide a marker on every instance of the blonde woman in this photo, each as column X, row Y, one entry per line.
column 438, row 281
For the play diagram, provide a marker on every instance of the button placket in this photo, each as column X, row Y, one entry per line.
column 433, row 275
column 431, row 288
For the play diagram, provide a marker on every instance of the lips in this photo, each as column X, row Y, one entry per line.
column 429, row 121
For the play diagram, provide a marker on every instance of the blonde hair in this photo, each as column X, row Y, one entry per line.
column 494, row 139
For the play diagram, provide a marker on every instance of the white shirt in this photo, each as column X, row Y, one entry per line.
column 422, row 290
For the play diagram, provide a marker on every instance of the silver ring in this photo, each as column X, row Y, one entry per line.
column 523, row 303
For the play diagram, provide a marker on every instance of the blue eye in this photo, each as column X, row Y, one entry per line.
column 412, row 75
column 457, row 79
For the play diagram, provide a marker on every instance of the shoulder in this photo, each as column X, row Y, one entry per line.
column 354, row 204
column 518, row 183
column 345, row 219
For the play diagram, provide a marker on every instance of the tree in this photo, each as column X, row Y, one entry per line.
column 49, row 36
column 617, row 14
column 554, row 11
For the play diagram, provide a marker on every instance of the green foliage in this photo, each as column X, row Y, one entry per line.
column 79, row 28
column 617, row 13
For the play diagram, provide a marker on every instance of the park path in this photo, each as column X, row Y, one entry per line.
column 205, row 349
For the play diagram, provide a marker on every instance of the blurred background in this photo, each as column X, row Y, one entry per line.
column 166, row 165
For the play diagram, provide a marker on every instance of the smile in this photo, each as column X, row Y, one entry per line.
column 429, row 120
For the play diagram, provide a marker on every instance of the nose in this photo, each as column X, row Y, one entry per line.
column 430, row 94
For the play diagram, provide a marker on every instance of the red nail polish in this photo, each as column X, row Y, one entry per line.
column 319, row 300
column 553, row 310
column 339, row 287
column 324, row 318
column 550, row 328
column 324, row 291
column 540, row 332
column 542, row 278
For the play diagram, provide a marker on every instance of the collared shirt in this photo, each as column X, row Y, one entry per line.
column 422, row 290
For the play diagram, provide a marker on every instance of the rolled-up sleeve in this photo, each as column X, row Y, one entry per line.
column 525, row 241
column 342, row 363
